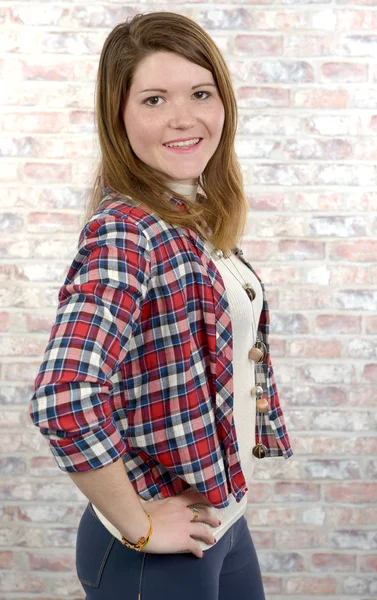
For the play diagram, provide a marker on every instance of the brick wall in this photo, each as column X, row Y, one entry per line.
column 305, row 73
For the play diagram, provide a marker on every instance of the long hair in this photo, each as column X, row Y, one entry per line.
column 221, row 207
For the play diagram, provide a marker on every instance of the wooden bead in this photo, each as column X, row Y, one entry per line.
column 250, row 291
column 262, row 405
column 255, row 354
column 260, row 451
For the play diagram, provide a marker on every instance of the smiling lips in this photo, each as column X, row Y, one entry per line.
column 183, row 143
column 185, row 147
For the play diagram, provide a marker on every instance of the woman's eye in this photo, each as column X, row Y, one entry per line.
column 147, row 100
column 203, row 92
column 151, row 98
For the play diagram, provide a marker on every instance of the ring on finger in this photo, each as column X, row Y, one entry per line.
column 196, row 513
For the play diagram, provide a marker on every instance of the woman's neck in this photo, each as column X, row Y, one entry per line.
column 185, row 189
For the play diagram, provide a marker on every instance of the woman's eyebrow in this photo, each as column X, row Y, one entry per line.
column 165, row 91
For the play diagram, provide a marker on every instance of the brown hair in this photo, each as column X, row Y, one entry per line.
column 223, row 213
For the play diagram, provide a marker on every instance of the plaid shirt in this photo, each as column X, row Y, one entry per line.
column 139, row 360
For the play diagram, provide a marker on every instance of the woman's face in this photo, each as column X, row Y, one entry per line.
column 171, row 99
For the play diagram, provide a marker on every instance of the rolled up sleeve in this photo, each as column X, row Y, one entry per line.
column 98, row 311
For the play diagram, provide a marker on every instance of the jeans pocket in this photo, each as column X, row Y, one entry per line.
column 93, row 547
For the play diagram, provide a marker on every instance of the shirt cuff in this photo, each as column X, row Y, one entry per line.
column 92, row 450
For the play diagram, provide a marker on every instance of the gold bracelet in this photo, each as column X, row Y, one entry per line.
column 142, row 542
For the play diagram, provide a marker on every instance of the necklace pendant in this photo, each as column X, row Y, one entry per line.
column 260, row 451
column 249, row 290
column 256, row 354
column 258, row 351
column 262, row 405
column 257, row 391
column 217, row 253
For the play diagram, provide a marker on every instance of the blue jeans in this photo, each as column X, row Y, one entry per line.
column 108, row 570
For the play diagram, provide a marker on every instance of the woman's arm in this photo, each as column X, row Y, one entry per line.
column 111, row 491
column 99, row 306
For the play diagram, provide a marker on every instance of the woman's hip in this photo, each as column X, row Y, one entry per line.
column 108, row 570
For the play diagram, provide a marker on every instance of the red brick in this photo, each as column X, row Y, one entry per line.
column 258, row 45
column 263, row 539
column 370, row 372
column 4, row 321
column 260, row 491
column 269, row 71
column 368, row 562
column 342, row 516
column 360, row 347
column 305, row 44
column 333, row 562
column 6, row 559
column 262, row 96
column 19, row 582
column 371, row 324
column 320, row 98
column 51, row 562
column 337, row 324
column 373, row 123
column 346, row 274
column 352, row 20
column 81, row 121
column 364, row 396
column 344, row 72
column 47, row 172
column 271, row 516
column 313, row 586
column 21, row 345
column 281, row 20
column 42, row 122
column 334, row 149
column 42, row 466
column 351, row 493
column 271, row 584
column 301, row 249
column 296, row 538
column 265, row 201
column 71, row 42
column 311, row 348
column 37, row 71
column 39, row 222
column 360, row 250
column 92, row 15
column 22, row 371
column 286, row 491
column 39, row 323
column 365, row 149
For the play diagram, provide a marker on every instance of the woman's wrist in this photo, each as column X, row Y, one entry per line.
column 142, row 541
column 139, row 529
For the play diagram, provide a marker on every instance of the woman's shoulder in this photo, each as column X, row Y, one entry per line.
column 119, row 218
column 121, row 211
column 120, row 206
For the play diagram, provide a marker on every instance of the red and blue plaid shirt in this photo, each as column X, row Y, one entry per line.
column 139, row 361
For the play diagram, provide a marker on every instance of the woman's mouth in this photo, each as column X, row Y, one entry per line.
column 185, row 149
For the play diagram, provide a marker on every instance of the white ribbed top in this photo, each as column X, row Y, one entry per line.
column 243, row 334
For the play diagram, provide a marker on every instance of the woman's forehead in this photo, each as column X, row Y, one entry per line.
column 159, row 67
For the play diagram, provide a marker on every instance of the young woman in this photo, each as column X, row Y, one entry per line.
column 157, row 393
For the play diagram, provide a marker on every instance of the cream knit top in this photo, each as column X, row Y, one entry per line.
column 241, row 313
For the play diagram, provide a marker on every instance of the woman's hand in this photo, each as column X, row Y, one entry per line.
column 173, row 525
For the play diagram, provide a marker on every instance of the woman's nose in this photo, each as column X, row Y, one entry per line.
column 182, row 115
